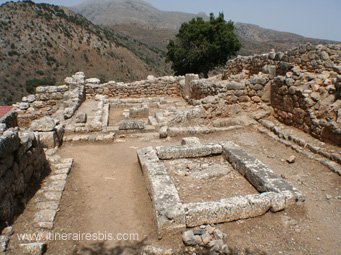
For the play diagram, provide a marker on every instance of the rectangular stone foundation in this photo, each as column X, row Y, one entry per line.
column 171, row 213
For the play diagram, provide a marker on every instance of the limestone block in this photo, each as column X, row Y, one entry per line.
column 9, row 142
column 81, row 117
column 44, row 124
column 190, row 141
column 163, row 132
column 48, row 139
column 131, row 125
column 226, row 210
column 45, row 216
column 33, row 248
column 31, row 98
column 175, row 152
column 93, row 81
column 258, row 174
column 139, row 112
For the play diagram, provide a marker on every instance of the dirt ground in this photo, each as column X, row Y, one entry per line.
column 106, row 192
column 213, row 184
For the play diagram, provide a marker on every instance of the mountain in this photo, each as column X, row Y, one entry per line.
column 257, row 40
column 41, row 44
column 141, row 21
column 117, row 12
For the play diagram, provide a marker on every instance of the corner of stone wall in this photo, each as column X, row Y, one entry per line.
column 23, row 165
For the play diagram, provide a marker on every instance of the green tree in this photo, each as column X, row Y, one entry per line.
column 202, row 45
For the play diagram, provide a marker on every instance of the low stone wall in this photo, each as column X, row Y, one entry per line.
column 171, row 213
column 312, row 58
column 310, row 106
column 303, row 86
column 61, row 100
column 152, row 87
column 45, row 102
column 254, row 64
column 22, row 166
column 239, row 88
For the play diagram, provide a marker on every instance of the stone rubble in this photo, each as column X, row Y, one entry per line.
column 207, row 236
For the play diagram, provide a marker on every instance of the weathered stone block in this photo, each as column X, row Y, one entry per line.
column 139, row 112
column 258, row 174
column 131, row 125
column 226, row 210
column 44, row 124
column 163, row 132
column 33, row 248
column 190, row 141
column 48, row 139
column 81, row 117
column 9, row 142
column 175, row 152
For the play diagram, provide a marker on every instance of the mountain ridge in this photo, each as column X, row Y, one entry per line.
column 127, row 13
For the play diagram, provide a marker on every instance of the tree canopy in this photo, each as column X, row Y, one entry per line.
column 202, row 45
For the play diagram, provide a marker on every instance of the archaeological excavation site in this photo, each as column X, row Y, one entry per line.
column 244, row 162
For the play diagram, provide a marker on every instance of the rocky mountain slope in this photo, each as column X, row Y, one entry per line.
column 141, row 21
column 41, row 44
column 257, row 40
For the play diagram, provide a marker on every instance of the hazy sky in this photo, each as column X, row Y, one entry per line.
column 312, row 18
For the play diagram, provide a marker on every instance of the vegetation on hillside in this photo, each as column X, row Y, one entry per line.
column 41, row 44
column 202, row 45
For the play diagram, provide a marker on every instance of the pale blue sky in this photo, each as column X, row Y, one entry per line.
column 311, row 18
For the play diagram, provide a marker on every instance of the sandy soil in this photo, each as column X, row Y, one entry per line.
column 211, row 188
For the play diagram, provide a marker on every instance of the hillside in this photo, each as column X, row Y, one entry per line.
column 143, row 22
column 257, row 40
column 41, row 44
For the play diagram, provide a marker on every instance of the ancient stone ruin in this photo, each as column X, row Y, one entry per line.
column 292, row 98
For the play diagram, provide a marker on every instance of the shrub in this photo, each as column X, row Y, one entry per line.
column 32, row 84
column 202, row 45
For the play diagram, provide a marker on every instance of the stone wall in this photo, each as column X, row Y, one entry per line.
column 152, row 87
column 217, row 96
column 254, row 64
column 61, row 101
column 22, row 167
column 238, row 88
column 304, row 84
column 45, row 102
column 8, row 120
column 312, row 58
column 310, row 106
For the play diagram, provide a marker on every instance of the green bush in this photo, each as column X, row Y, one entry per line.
column 202, row 45
column 13, row 53
column 40, row 72
column 32, row 84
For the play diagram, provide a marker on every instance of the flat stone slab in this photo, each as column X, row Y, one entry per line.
column 45, row 216
column 190, row 141
column 58, row 177
column 49, row 205
column 168, row 209
column 55, row 185
column 33, row 248
column 48, row 196
column 188, row 151
column 171, row 213
column 230, row 209
column 257, row 173
column 139, row 112
column 131, row 125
